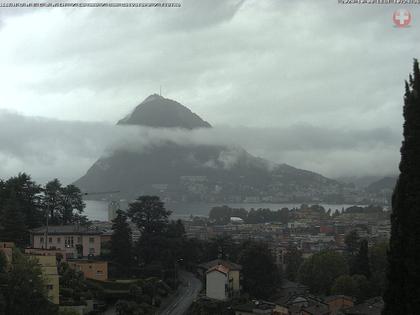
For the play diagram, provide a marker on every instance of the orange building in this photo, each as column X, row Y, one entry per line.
column 91, row 269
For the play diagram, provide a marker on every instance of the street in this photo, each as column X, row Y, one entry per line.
column 179, row 304
column 187, row 293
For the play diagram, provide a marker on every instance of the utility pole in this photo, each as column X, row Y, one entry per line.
column 46, row 226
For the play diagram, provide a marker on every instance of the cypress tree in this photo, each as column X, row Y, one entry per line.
column 121, row 244
column 361, row 265
column 402, row 295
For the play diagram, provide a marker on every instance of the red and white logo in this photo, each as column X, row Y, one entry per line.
column 402, row 18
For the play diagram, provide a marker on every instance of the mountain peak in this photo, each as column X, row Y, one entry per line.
column 153, row 97
column 157, row 111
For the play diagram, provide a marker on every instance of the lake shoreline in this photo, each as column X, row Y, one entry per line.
column 98, row 210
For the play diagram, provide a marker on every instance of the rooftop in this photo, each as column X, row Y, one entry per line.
column 372, row 306
column 86, row 261
column 318, row 309
column 337, row 297
column 255, row 305
column 228, row 264
column 66, row 229
column 219, row 268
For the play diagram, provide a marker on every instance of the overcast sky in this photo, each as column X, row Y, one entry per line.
column 314, row 84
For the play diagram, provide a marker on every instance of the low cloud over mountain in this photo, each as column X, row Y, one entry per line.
column 49, row 147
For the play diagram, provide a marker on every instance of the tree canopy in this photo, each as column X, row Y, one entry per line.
column 22, row 288
column 321, row 269
column 260, row 273
column 149, row 214
column 24, row 205
column 293, row 260
column 65, row 203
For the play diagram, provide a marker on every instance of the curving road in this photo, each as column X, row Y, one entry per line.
column 185, row 295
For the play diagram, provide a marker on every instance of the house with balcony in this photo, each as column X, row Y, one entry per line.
column 74, row 240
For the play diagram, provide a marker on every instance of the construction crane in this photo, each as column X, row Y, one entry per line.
column 100, row 193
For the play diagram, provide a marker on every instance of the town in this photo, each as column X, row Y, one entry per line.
column 233, row 262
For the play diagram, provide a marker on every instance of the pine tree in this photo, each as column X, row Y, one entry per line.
column 403, row 292
column 12, row 222
column 149, row 214
column 65, row 203
column 27, row 193
column 121, row 243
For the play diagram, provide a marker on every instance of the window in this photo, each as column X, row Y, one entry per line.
column 68, row 241
column 91, row 251
column 58, row 240
column 50, row 240
column 79, row 240
column 41, row 240
column 91, row 240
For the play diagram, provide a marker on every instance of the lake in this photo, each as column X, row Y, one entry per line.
column 98, row 210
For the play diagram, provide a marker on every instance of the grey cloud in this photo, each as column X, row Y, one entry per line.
column 6, row 13
column 315, row 84
column 50, row 148
column 196, row 15
column 297, row 68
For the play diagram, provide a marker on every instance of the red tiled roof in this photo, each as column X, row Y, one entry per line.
column 219, row 268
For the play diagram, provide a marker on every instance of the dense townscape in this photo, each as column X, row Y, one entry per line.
column 268, row 260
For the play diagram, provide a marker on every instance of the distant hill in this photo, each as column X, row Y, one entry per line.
column 363, row 182
column 383, row 184
column 200, row 173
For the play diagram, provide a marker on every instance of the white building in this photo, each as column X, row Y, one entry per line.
column 113, row 207
column 223, row 281
column 236, row 220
